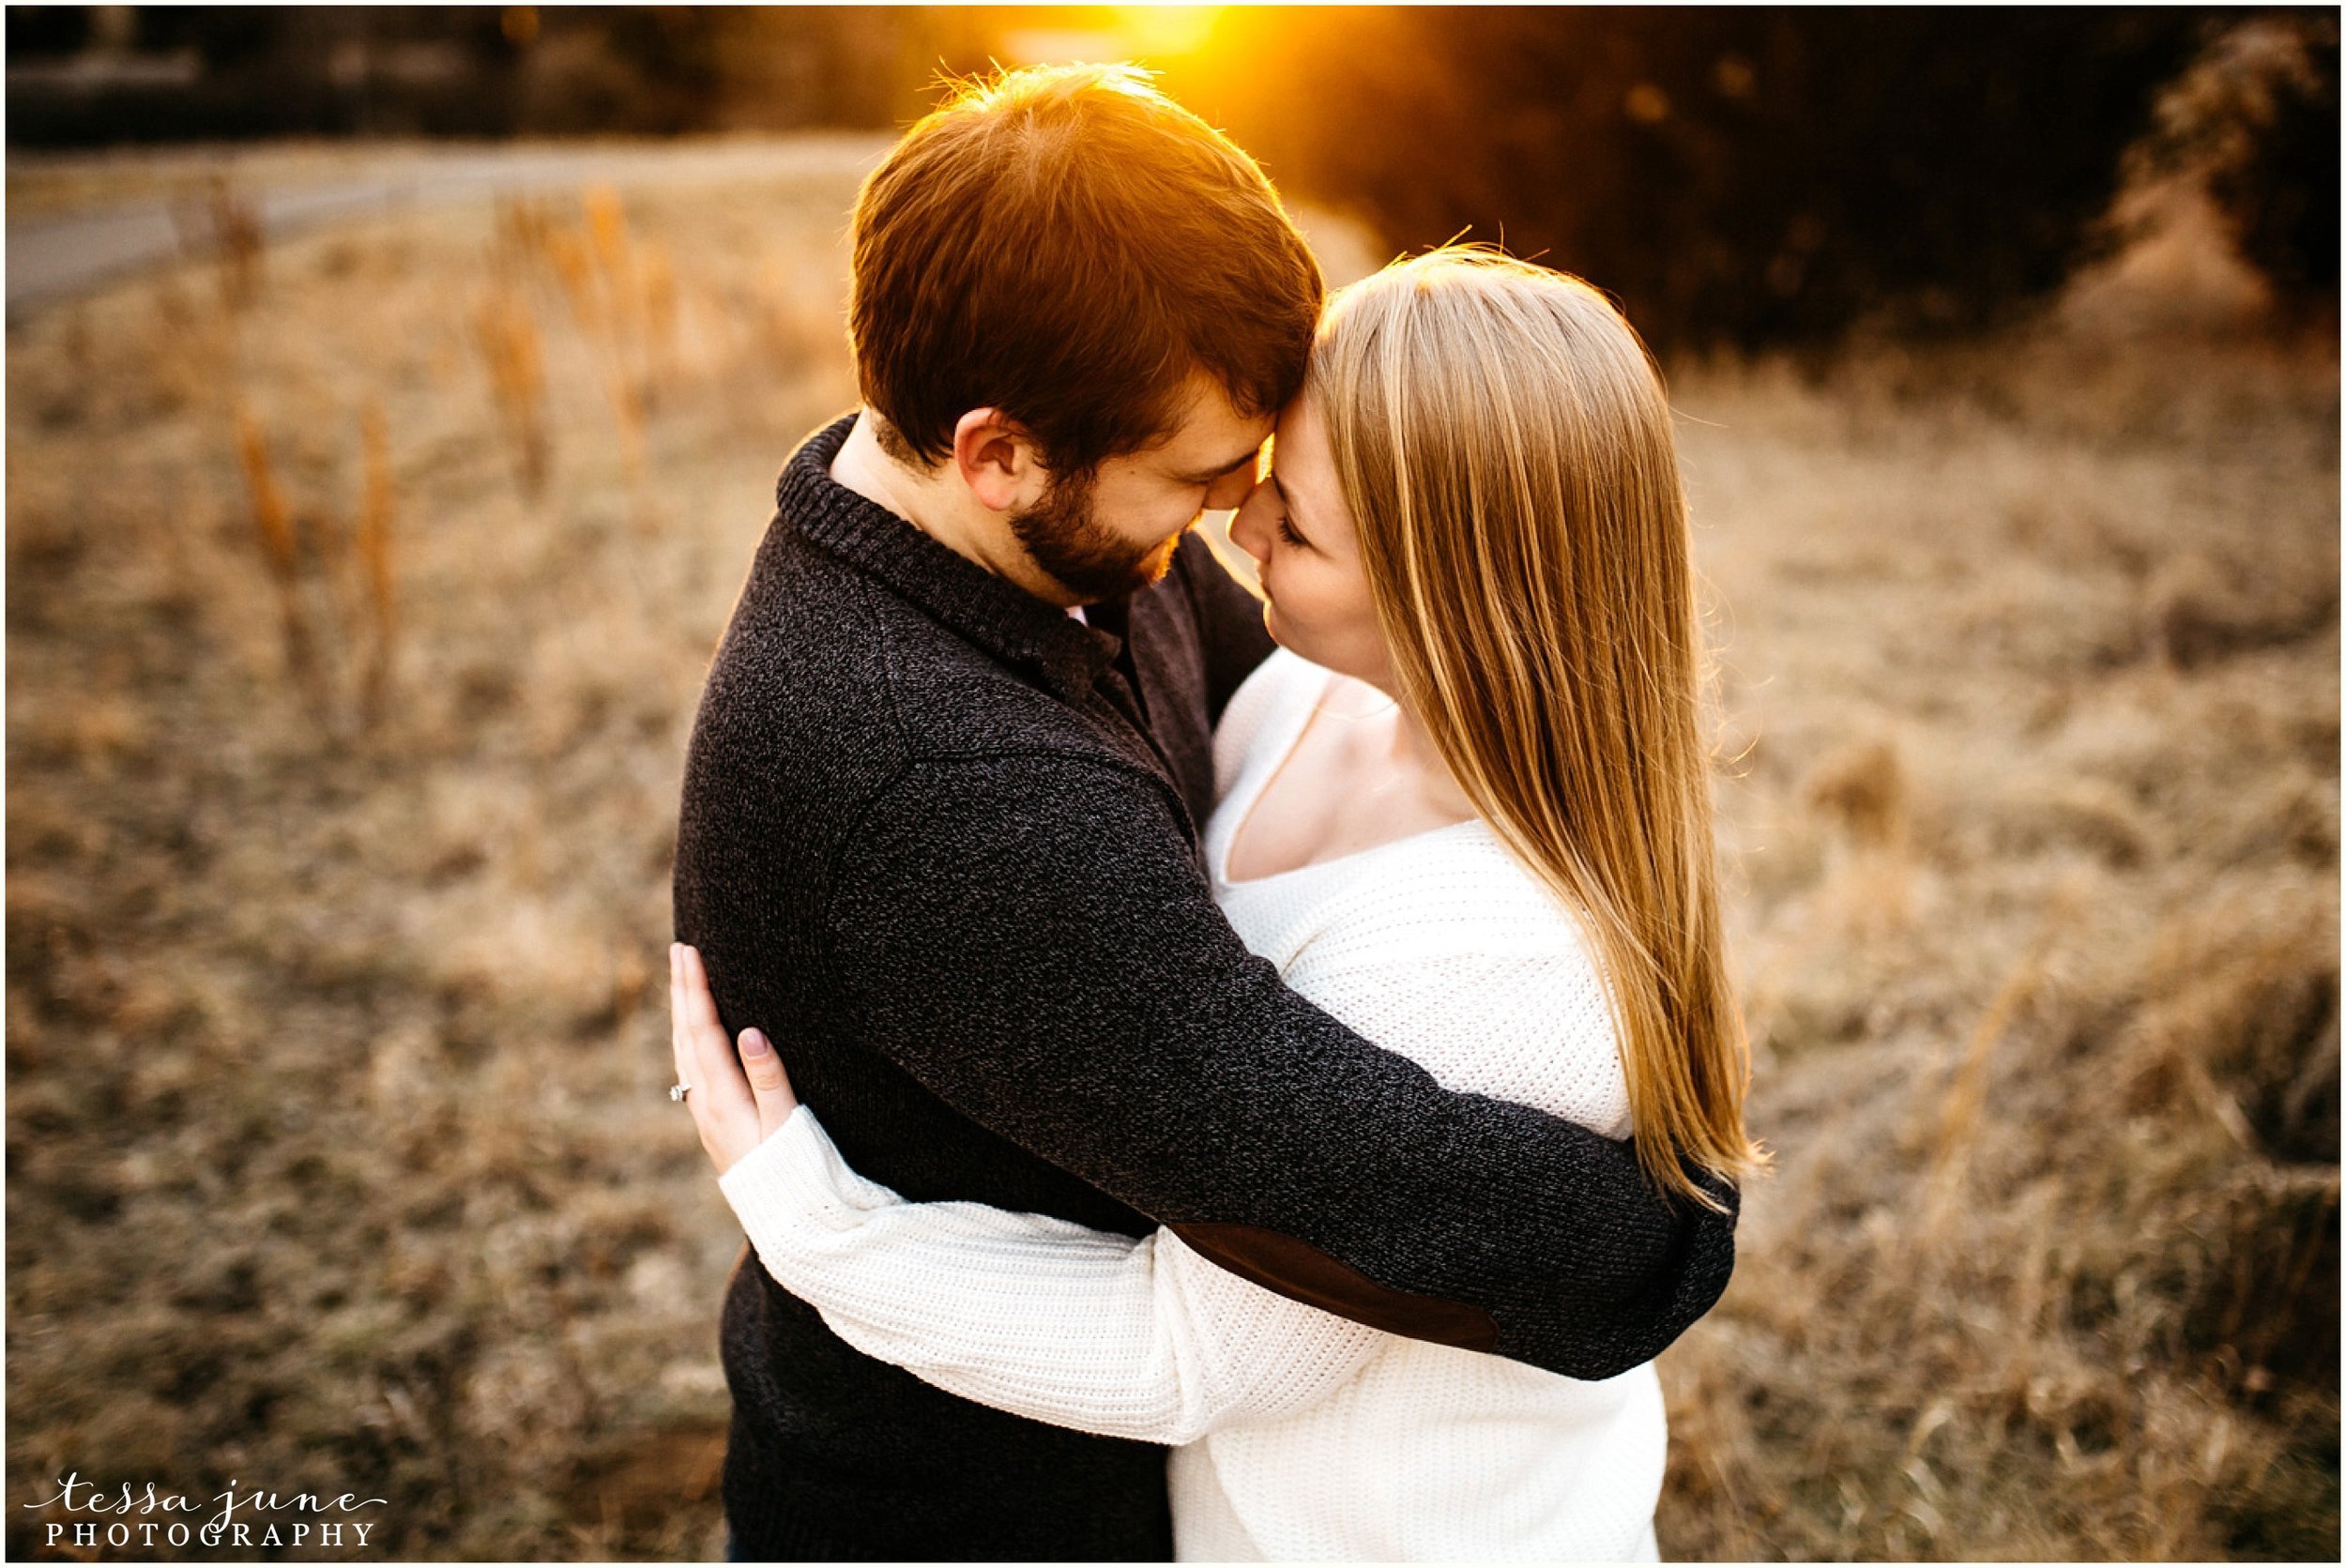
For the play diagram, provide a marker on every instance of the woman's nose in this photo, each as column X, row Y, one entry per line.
column 1251, row 528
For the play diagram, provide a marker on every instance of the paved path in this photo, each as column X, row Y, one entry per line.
column 56, row 255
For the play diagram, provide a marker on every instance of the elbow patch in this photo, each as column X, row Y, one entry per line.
column 1300, row 1271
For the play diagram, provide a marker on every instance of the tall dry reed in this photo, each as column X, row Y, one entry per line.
column 375, row 556
column 506, row 334
column 274, row 528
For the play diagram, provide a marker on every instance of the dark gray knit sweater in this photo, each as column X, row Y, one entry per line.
column 939, row 840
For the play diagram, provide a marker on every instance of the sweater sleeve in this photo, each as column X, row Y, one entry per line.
column 1031, row 940
column 1122, row 1337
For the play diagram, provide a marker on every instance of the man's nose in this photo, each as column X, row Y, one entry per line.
column 1232, row 489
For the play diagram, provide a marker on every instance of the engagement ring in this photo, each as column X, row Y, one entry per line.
column 678, row 1092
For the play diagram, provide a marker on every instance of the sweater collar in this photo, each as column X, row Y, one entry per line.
column 993, row 613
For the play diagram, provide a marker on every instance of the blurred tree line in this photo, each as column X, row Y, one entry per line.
column 2255, row 123
column 80, row 75
column 1756, row 176
column 1736, row 175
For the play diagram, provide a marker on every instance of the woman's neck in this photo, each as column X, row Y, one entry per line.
column 1414, row 748
column 1404, row 748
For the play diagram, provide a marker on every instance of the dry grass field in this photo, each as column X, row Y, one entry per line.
column 360, row 588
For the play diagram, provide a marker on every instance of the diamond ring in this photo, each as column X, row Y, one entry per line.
column 678, row 1092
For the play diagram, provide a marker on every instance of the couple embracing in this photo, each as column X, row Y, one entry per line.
column 1171, row 1021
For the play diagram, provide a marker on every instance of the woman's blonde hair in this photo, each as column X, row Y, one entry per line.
column 1504, row 444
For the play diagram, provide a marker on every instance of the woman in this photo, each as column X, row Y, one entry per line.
column 1466, row 810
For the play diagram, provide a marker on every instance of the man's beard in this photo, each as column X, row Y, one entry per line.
column 1081, row 552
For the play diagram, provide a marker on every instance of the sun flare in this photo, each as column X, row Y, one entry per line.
column 1147, row 34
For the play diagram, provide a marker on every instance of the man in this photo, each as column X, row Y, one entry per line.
column 940, row 832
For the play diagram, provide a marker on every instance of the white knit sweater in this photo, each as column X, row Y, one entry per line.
column 1299, row 1434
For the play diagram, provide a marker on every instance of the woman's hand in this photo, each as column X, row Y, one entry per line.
column 736, row 1099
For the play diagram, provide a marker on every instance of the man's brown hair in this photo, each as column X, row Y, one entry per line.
column 1068, row 245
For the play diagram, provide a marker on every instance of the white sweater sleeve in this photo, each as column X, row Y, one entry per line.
column 1140, row 1339
column 1146, row 1339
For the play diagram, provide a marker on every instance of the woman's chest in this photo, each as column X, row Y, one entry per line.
column 1336, row 793
column 1297, row 818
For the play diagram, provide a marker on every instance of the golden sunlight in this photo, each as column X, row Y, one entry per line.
column 1160, row 30
column 1147, row 34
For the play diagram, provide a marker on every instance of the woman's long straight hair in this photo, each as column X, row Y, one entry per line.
column 1504, row 444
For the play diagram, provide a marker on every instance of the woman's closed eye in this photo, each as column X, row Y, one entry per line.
column 1285, row 527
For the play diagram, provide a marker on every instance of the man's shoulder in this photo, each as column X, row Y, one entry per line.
column 822, row 661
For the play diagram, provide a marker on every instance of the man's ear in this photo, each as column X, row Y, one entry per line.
column 998, row 461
